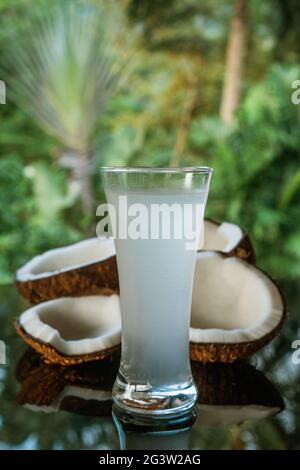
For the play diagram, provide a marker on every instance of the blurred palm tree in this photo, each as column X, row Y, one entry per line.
column 234, row 62
column 66, row 61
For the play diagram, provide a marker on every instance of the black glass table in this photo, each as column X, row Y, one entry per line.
column 244, row 405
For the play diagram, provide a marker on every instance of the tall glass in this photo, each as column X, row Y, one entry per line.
column 156, row 217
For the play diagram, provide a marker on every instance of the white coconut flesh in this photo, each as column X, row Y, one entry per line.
column 224, row 237
column 220, row 415
column 67, row 258
column 232, row 302
column 76, row 325
column 72, row 391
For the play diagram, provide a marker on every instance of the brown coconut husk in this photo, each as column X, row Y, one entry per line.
column 93, row 279
column 244, row 248
column 52, row 356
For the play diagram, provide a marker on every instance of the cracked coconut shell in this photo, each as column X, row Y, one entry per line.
column 73, row 330
column 88, row 267
column 236, row 309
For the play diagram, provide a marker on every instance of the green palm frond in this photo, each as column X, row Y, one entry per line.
column 67, row 63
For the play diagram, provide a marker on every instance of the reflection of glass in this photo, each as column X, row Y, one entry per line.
column 156, row 267
column 134, row 438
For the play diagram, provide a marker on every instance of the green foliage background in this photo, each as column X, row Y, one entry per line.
column 179, row 62
column 175, row 86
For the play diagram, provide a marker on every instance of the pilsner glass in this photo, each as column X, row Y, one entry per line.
column 156, row 215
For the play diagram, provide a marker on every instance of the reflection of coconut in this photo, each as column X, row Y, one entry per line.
column 85, row 268
column 82, row 389
column 78, row 400
column 228, row 393
column 73, row 330
column 85, row 401
column 236, row 309
column 227, row 238
column 233, row 393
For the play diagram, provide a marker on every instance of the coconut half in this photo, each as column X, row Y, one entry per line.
column 83, row 389
column 227, row 238
column 85, row 268
column 73, row 330
column 233, row 393
column 236, row 309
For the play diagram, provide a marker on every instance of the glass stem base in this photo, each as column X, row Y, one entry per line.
column 154, row 401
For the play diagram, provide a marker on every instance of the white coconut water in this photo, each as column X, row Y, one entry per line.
column 156, row 277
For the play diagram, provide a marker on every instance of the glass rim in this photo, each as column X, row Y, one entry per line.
column 156, row 169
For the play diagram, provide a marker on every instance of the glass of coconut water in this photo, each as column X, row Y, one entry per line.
column 156, row 217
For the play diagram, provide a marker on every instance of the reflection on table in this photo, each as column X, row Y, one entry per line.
column 228, row 394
